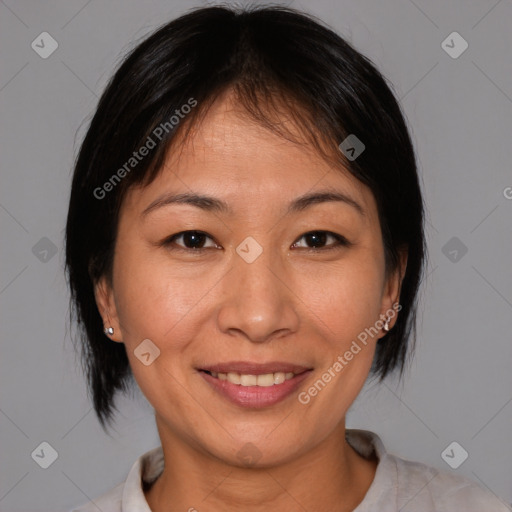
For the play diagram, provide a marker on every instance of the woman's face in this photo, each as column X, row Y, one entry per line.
column 253, row 298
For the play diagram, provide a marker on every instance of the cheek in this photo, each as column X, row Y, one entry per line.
column 346, row 304
column 346, row 299
column 152, row 300
column 154, row 303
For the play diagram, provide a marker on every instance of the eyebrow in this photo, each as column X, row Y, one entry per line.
column 213, row 204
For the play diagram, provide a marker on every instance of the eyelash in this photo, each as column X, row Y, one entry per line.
column 341, row 241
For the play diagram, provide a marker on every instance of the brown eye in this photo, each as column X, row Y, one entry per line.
column 318, row 239
column 190, row 240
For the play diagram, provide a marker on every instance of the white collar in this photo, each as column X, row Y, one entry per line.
column 150, row 465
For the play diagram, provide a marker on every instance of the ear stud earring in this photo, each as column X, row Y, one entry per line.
column 109, row 331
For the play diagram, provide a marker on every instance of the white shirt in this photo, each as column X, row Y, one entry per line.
column 398, row 485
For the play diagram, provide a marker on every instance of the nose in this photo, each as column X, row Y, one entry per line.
column 259, row 304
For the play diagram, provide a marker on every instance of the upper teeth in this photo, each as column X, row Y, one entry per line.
column 264, row 380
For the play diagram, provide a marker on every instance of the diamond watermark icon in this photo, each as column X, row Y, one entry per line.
column 454, row 249
column 44, row 250
column 352, row 147
column 146, row 352
column 454, row 455
column 44, row 45
column 249, row 250
column 249, row 454
column 454, row 45
column 45, row 455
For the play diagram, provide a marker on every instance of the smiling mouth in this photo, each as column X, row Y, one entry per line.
column 254, row 385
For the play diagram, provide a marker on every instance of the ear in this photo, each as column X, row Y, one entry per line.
column 391, row 292
column 104, row 295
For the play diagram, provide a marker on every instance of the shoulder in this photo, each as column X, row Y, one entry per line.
column 108, row 502
column 408, row 486
column 129, row 495
column 420, row 487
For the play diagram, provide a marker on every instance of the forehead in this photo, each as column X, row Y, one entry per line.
column 232, row 156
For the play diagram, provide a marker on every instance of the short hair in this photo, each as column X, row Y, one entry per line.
column 273, row 58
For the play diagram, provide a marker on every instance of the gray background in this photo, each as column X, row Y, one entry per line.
column 459, row 110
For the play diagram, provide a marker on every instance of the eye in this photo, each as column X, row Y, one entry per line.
column 190, row 240
column 195, row 241
column 318, row 240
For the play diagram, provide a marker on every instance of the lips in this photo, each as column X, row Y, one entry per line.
column 254, row 385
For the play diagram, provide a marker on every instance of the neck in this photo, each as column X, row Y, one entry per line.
column 331, row 476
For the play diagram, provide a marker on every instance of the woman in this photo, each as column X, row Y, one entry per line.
column 245, row 242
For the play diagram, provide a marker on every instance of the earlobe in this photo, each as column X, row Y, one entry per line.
column 104, row 296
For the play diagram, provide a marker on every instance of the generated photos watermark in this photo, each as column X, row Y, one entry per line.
column 137, row 156
column 341, row 361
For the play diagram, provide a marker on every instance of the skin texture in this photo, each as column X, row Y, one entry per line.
column 292, row 304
